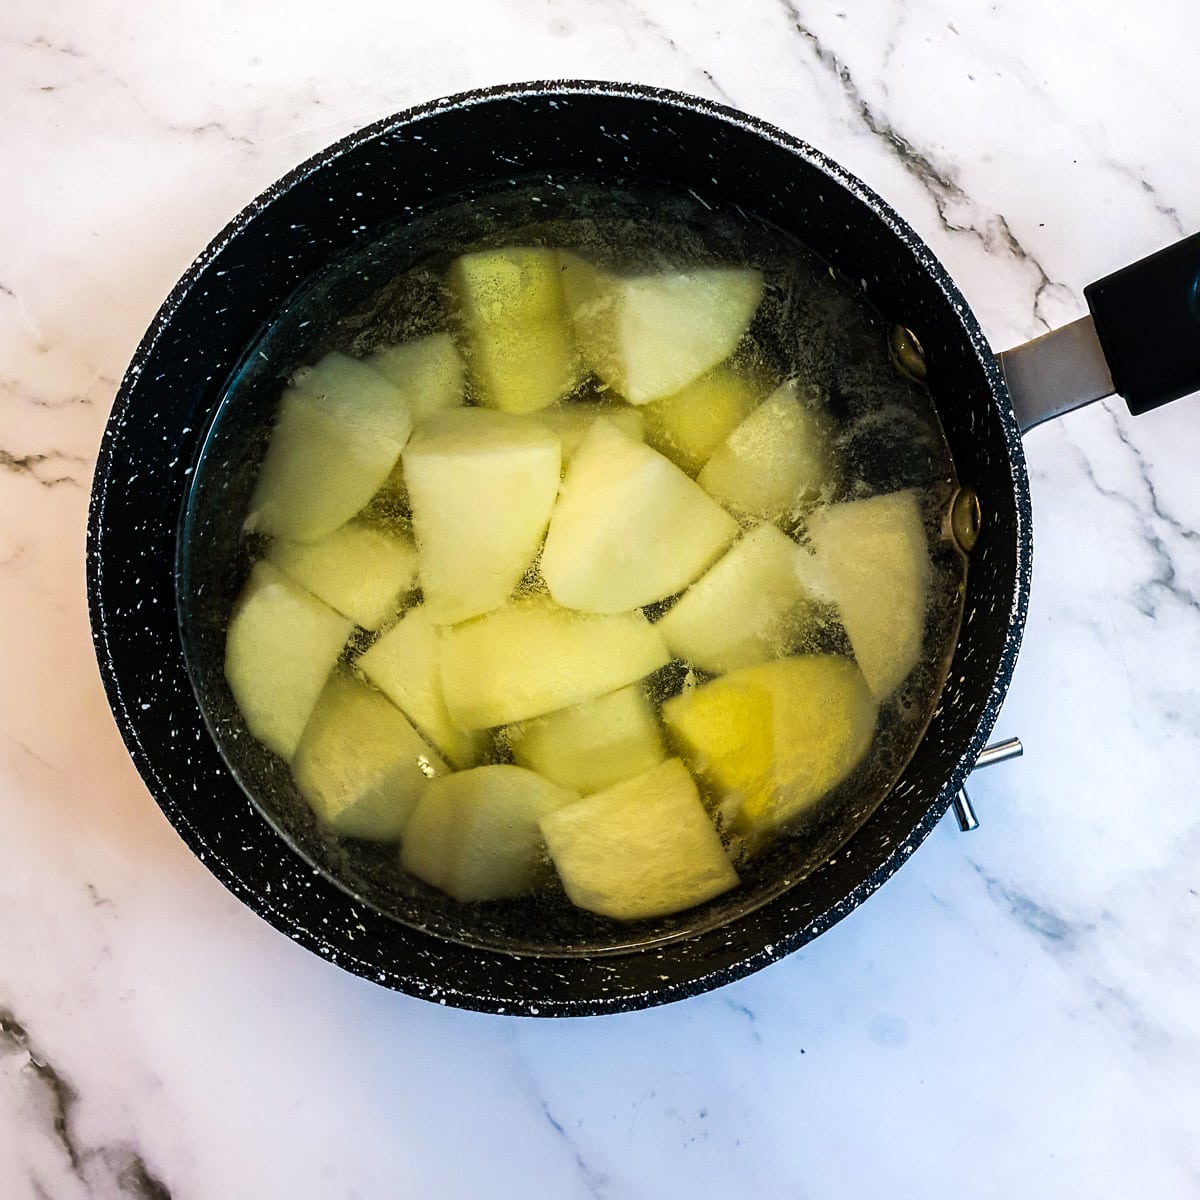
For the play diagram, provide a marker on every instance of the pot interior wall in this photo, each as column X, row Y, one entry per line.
column 325, row 210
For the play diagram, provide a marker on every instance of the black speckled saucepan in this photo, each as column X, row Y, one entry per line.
column 162, row 426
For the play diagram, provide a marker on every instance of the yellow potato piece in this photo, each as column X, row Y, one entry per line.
column 428, row 371
column 594, row 744
column 872, row 558
column 777, row 459
column 482, row 486
column 532, row 657
column 405, row 665
column 572, row 421
column 475, row 834
column 360, row 765
column 360, row 570
column 649, row 335
column 772, row 740
column 281, row 644
column 642, row 848
column 629, row 527
column 750, row 606
column 338, row 434
column 520, row 352
column 689, row 425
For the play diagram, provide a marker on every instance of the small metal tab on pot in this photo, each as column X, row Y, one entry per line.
column 999, row 752
column 964, row 810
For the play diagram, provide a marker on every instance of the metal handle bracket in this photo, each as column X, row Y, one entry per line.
column 964, row 810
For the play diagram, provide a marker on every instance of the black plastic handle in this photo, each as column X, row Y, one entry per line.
column 1147, row 317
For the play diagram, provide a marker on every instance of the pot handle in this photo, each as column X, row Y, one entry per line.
column 1142, row 341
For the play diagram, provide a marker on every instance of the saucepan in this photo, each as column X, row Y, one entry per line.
column 158, row 605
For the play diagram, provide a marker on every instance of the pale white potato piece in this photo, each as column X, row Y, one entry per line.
column 404, row 664
column 642, row 848
column 649, row 335
column 572, row 420
column 532, row 657
column 776, row 459
column 428, row 371
column 872, row 557
column 360, row 765
column 475, row 835
column 519, row 347
column 629, row 527
column 772, row 740
column 362, row 571
column 281, row 645
column 389, row 506
column 750, row 606
column 338, row 434
column 690, row 424
column 481, row 485
column 592, row 745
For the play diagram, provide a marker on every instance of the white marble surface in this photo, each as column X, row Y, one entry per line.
column 1017, row 1013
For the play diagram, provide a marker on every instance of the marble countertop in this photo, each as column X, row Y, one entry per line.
column 1016, row 1013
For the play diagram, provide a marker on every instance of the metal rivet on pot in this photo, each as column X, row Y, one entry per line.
column 907, row 353
column 966, row 518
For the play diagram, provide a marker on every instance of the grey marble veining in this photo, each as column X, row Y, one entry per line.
column 65, row 1161
column 1016, row 1013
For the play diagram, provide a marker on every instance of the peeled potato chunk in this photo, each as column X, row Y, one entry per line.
column 650, row 335
column 360, row 570
column 772, row 740
column 571, row 421
column 475, row 834
column 360, row 765
column 281, row 645
column 428, row 371
column 404, row 664
column 690, row 424
column 339, row 431
column 776, row 459
column 532, row 657
column 594, row 744
column 873, row 561
column 751, row 606
column 642, row 848
column 520, row 352
column 481, row 485
column 629, row 527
